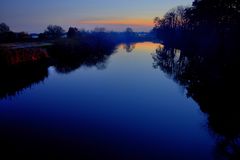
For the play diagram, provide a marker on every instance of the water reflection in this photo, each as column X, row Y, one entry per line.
column 69, row 57
column 129, row 47
column 129, row 105
column 92, row 60
column 209, row 78
column 14, row 79
column 122, row 112
column 22, row 68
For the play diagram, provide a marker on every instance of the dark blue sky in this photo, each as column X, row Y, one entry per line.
column 35, row 15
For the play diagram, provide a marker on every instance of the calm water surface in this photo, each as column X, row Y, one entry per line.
column 124, row 110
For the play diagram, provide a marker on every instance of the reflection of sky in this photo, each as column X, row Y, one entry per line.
column 128, row 110
column 146, row 47
column 35, row 15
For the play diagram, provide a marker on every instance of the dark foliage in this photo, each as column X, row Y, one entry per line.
column 72, row 32
column 206, row 23
column 54, row 32
column 172, row 26
column 7, row 36
column 4, row 28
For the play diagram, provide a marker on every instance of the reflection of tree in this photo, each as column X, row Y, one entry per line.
column 91, row 50
column 129, row 47
column 91, row 60
column 21, row 68
column 171, row 61
column 209, row 79
column 14, row 79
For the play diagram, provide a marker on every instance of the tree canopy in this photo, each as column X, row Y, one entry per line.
column 72, row 32
column 204, row 17
column 54, row 31
column 4, row 28
column 217, row 13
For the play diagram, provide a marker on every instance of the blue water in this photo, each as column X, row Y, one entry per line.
column 129, row 110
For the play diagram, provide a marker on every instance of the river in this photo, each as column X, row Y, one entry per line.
column 122, row 108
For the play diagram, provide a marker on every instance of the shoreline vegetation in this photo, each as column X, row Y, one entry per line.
column 201, row 54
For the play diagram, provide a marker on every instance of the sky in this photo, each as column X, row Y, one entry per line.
column 33, row 16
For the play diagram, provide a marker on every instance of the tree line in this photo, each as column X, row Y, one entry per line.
column 215, row 20
column 55, row 32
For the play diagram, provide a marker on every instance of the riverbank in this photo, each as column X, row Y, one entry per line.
column 25, row 45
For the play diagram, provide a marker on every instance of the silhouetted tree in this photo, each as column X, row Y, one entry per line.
column 215, row 20
column 207, row 22
column 5, row 34
column 173, row 24
column 215, row 13
column 54, row 31
column 72, row 32
column 4, row 28
column 130, row 35
column 174, row 19
column 129, row 31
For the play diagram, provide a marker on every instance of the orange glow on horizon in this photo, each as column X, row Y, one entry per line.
column 130, row 22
